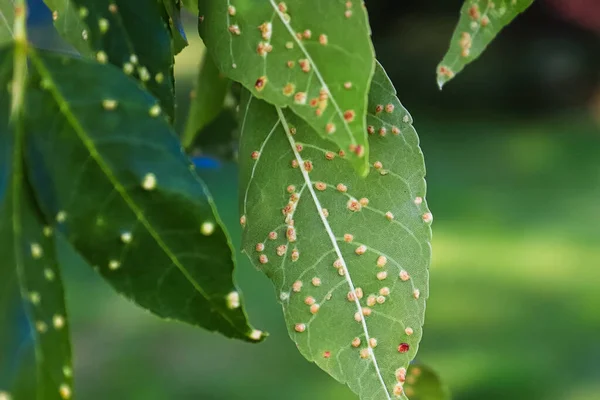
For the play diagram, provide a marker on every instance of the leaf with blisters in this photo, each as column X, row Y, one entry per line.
column 423, row 383
column 321, row 67
column 480, row 21
column 109, row 170
column 348, row 256
column 133, row 36
column 30, row 269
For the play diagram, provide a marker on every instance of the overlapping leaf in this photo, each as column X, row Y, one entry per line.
column 480, row 21
column 29, row 268
column 173, row 9
column 423, row 383
column 348, row 256
column 107, row 168
column 132, row 35
column 312, row 56
column 208, row 99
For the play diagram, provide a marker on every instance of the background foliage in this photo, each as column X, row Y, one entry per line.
column 513, row 180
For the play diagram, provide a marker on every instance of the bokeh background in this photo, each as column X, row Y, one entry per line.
column 512, row 147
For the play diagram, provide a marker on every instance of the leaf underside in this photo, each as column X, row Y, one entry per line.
column 133, row 35
column 110, row 173
column 29, row 271
column 321, row 67
column 480, row 21
column 173, row 9
column 320, row 231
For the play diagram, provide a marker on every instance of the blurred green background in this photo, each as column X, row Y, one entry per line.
column 513, row 156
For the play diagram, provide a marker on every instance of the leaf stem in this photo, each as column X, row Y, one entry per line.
column 20, row 59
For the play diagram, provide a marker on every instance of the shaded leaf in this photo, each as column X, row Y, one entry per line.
column 219, row 138
column 109, row 170
column 30, row 269
column 173, row 8
column 131, row 35
column 319, row 67
column 207, row 102
column 480, row 21
column 337, row 245
column 423, row 383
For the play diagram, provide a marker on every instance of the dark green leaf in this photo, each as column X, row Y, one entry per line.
column 480, row 21
column 207, row 102
column 132, row 35
column 173, row 8
column 219, row 138
column 337, row 245
column 109, row 170
column 422, row 383
column 313, row 56
column 30, row 270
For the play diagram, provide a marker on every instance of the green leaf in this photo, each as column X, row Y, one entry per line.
column 423, row 383
column 30, row 268
column 131, row 35
column 173, row 8
column 337, row 245
column 107, row 167
column 7, row 18
column 480, row 21
column 312, row 56
column 191, row 6
column 209, row 96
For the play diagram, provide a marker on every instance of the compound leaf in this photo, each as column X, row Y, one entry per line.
column 312, row 56
column 133, row 35
column 348, row 256
column 30, row 271
column 107, row 167
column 480, row 21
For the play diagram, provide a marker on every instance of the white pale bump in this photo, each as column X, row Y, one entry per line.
column 103, row 24
column 47, row 231
column 65, row 391
column 207, row 228
column 114, row 264
column 49, row 274
column 233, row 300
column 149, row 181
column 67, row 371
column 36, row 251
column 61, row 216
column 109, row 104
column 126, row 237
column 255, row 334
column 41, row 326
column 5, row 396
column 101, row 57
column 58, row 321
column 154, row 111
column 35, row 298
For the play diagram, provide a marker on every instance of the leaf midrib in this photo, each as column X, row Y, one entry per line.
column 316, row 69
column 333, row 240
column 89, row 145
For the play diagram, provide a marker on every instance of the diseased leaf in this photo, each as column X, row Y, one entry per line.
column 319, row 67
column 480, row 21
column 109, row 170
column 348, row 256
column 132, row 35
column 207, row 100
column 422, row 383
column 173, row 8
column 29, row 268
column 7, row 17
